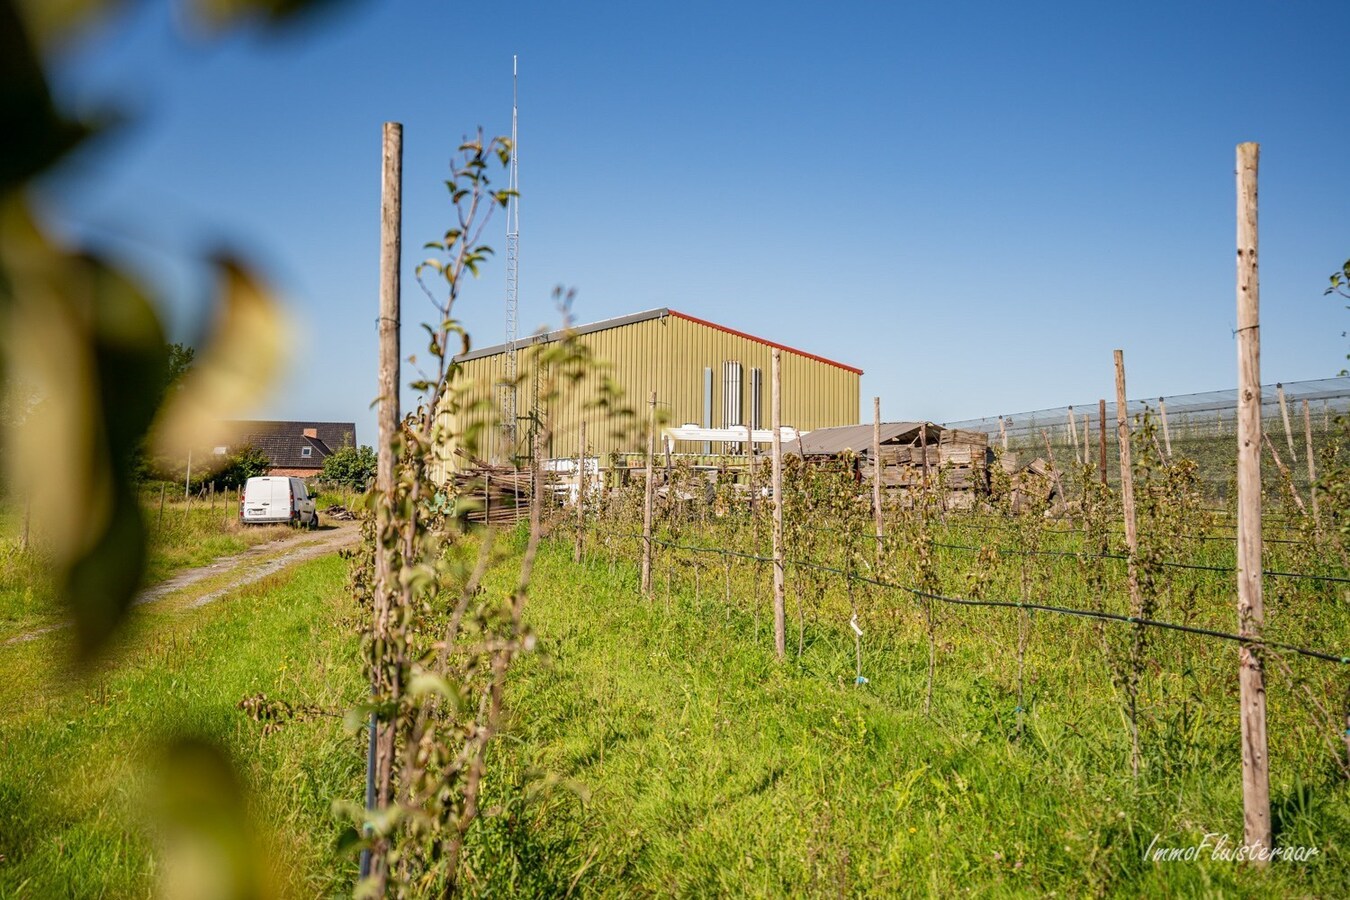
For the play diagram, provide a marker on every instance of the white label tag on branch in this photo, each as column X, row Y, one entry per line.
column 853, row 623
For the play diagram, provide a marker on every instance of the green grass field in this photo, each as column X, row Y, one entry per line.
column 82, row 751
column 656, row 748
column 186, row 535
column 662, row 751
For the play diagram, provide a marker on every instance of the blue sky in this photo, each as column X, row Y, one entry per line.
column 973, row 202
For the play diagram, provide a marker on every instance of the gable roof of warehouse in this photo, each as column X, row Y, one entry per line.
column 661, row 313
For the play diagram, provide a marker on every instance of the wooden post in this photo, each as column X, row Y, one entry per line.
column 1054, row 468
column 187, row 479
column 1101, row 437
column 1251, row 611
column 1284, row 414
column 1312, row 468
column 391, row 245
column 1073, row 434
column 1087, row 442
column 779, row 586
column 750, row 468
column 1167, row 435
column 162, row 486
column 1131, row 532
column 1285, row 474
column 581, row 495
column 923, row 449
column 1003, row 433
column 876, row 472
column 647, row 497
column 379, row 762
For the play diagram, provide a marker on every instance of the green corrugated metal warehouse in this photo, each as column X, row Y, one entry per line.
column 703, row 374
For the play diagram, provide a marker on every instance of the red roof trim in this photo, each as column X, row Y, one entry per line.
column 759, row 340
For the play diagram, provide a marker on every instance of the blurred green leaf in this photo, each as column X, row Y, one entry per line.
column 209, row 850
column 36, row 133
column 240, row 359
column 229, row 13
column 88, row 340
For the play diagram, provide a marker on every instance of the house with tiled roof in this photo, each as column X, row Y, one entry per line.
column 294, row 448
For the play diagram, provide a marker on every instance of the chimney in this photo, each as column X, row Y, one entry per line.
column 312, row 433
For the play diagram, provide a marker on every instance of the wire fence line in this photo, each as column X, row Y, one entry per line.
column 1003, row 551
column 1009, row 604
column 1082, row 555
column 1189, row 415
column 1199, row 426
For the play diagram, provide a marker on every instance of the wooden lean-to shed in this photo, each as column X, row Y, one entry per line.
column 912, row 453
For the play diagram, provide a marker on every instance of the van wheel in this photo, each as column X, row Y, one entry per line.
column 314, row 522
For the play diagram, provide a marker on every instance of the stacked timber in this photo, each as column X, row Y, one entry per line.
column 497, row 495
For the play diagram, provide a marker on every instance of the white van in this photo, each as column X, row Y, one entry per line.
column 269, row 500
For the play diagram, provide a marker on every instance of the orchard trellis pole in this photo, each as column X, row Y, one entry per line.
column 1251, row 677
column 1073, row 433
column 1284, row 416
column 1101, row 438
column 1312, row 468
column 1167, row 435
column 581, row 495
column 876, row 472
column 647, row 498
column 1131, row 535
column 379, row 763
column 779, row 586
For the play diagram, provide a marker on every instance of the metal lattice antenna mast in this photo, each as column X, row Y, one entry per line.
column 510, row 413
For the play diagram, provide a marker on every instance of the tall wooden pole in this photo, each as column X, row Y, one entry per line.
column 923, row 450
column 1101, row 438
column 1167, row 435
column 379, row 762
column 876, row 471
column 1284, row 415
column 1312, row 468
column 1131, row 531
column 1251, row 612
column 581, row 495
column 647, row 497
column 1003, row 433
column 1073, row 434
column 1054, row 467
column 750, row 467
column 391, row 246
column 779, row 584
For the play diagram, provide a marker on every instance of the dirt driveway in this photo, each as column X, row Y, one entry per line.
column 253, row 564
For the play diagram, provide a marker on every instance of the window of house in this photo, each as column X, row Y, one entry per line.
column 306, row 452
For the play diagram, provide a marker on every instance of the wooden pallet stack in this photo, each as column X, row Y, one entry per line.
column 959, row 458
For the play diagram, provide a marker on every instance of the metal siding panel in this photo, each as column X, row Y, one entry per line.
column 667, row 354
